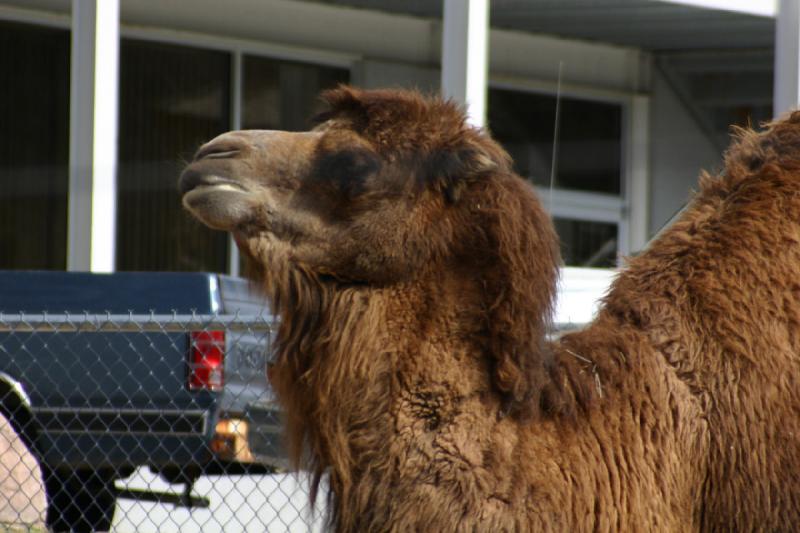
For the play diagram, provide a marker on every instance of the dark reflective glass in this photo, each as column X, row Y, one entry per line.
column 172, row 99
column 589, row 139
column 284, row 94
column 587, row 243
column 34, row 146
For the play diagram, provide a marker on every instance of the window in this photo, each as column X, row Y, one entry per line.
column 172, row 99
column 34, row 152
column 284, row 94
column 586, row 198
column 587, row 243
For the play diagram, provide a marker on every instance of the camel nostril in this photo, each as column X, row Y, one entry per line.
column 216, row 151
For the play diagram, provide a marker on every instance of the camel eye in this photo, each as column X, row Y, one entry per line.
column 348, row 170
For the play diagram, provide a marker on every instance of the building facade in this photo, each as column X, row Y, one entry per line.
column 610, row 114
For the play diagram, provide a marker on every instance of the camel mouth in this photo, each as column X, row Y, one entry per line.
column 217, row 201
column 194, row 181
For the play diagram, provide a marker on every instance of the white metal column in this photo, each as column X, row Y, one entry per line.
column 237, row 76
column 465, row 43
column 787, row 57
column 94, row 82
column 637, row 175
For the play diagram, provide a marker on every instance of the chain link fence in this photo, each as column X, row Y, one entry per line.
column 139, row 423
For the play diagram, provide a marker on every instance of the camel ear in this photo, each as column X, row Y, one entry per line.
column 521, row 276
column 343, row 100
column 450, row 170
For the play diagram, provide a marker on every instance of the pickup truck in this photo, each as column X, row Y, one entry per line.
column 101, row 374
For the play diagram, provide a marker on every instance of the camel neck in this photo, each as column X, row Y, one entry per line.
column 384, row 372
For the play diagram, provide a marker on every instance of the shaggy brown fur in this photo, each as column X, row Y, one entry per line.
column 414, row 274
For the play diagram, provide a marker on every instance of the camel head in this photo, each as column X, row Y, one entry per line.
column 366, row 196
column 389, row 188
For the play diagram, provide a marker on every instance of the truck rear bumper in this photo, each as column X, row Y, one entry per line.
column 105, row 421
column 114, row 451
column 98, row 438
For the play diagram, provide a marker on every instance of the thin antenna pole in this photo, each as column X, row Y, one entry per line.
column 556, row 128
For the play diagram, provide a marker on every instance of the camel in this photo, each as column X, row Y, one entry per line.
column 414, row 273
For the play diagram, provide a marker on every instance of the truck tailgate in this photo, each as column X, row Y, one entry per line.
column 123, row 392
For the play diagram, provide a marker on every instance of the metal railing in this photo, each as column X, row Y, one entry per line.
column 108, row 322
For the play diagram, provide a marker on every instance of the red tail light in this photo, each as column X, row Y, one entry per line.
column 207, row 360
